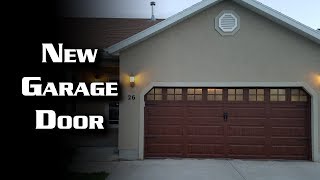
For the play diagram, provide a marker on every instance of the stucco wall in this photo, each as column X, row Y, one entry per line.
column 192, row 51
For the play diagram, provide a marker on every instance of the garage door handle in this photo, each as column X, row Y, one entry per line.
column 225, row 116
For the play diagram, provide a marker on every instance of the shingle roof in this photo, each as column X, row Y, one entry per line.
column 101, row 32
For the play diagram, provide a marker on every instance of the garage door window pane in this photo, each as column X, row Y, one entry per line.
column 298, row 95
column 260, row 91
column 151, row 91
column 158, row 97
column 178, row 97
column 194, row 94
column 150, row 97
column 282, row 98
column 260, row 97
column 282, row 91
column 303, row 98
column 273, row 98
column 174, row 94
column 219, row 91
column 235, row 94
column 158, row 91
column 155, row 94
column 231, row 91
column 231, row 97
column 198, row 91
column 239, row 97
column 252, row 98
column 239, row 91
column 178, row 91
column 252, row 91
column 214, row 94
column 256, row 94
column 294, row 91
column 218, row 98
column 170, row 91
column 277, row 94
column 190, row 91
column 190, row 97
column 294, row 98
column 198, row 97
column 170, row 97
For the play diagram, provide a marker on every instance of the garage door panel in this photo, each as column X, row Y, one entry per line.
column 205, row 130
column 204, row 120
column 205, row 149
column 166, row 149
column 288, row 157
column 164, row 130
column 164, row 121
column 288, row 131
column 246, row 131
column 293, row 141
column 246, row 150
column 165, row 111
column 164, row 139
column 283, row 150
column 247, row 121
column 246, row 140
column 205, row 139
column 246, row 112
column 204, row 112
column 300, row 122
column 288, row 112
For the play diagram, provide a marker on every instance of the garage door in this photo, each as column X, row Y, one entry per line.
column 251, row 123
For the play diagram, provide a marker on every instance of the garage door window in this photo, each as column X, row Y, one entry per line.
column 174, row 94
column 194, row 94
column 155, row 94
column 277, row 95
column 256, row 94
column 214, row 95
column 235, row 94
column 298, row 95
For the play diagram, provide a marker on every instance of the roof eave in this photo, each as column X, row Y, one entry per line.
column 281, row 19
column 161, row 26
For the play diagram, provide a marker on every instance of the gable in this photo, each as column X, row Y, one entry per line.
column 252, row 5
column 194, row 50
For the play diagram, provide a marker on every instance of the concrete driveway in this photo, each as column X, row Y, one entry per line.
column 209, row 169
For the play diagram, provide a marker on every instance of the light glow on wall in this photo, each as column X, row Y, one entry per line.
column 315, row 80
column 318, row 79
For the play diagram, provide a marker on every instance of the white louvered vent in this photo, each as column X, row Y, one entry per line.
column 228, row 22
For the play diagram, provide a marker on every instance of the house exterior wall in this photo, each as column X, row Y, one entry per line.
column 193, row 51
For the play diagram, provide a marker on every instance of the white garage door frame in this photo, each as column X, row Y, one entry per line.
column 311, row 91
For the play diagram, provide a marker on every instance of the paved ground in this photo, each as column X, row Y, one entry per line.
column 208, row 169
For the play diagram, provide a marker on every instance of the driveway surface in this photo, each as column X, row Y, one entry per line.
column 208, row 169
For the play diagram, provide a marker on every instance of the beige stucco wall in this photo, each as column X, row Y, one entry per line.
column 192, row 51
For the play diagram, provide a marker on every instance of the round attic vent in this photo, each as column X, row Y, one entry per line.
column 227, row 23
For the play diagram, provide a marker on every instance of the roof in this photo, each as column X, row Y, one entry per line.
column 101, row 32
column 253, row 5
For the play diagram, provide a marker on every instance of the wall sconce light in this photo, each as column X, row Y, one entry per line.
column 132, row 80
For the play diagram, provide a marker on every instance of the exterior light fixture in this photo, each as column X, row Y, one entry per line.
column 132, row 80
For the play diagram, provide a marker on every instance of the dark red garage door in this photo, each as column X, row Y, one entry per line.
column 253, row 123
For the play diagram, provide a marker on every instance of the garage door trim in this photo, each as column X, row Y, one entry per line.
column 307, row 88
